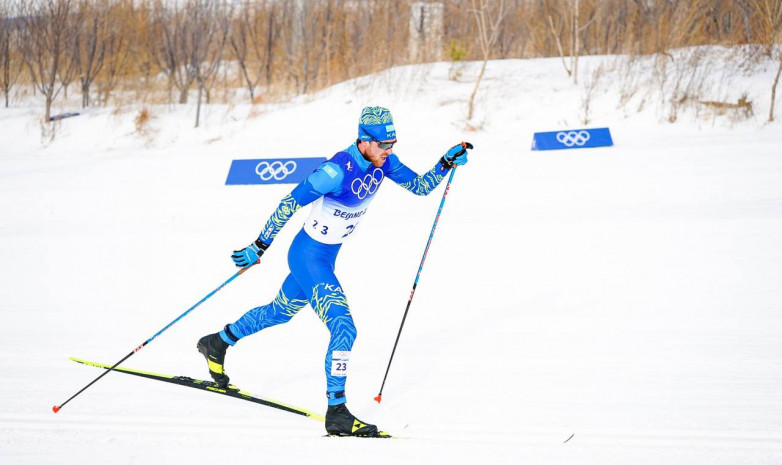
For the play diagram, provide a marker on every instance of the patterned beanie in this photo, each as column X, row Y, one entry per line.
column 377, row 123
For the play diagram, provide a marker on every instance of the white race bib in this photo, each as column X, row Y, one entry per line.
column 331, row 222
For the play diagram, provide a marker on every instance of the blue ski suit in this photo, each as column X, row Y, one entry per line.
column 340, row 191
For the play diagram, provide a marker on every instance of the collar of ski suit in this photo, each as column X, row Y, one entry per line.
column 356, row 155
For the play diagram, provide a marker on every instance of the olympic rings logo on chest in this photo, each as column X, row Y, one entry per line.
column 367, row 185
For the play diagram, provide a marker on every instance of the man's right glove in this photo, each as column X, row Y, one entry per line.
column 250, row 254
column 456, row 155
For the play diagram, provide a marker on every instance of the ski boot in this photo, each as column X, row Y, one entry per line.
column 340, row 422
column 213, row 348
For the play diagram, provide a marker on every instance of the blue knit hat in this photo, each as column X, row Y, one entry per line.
column 377, row 123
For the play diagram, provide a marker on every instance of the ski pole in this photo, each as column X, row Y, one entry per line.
column 57, row 408
column 379, row 397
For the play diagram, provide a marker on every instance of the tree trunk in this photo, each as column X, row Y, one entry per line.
column 774, row 89
column 475, row 90
column 559, row 46
column 48, row 112
column 6, row 70
column 85, row 94
column 576, row 44
column 198, row 105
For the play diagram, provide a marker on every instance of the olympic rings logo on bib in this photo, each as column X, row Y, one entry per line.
column 368, row 185
column 276, row 170
column 571, row 138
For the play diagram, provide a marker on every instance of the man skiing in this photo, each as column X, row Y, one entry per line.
column 340, row 191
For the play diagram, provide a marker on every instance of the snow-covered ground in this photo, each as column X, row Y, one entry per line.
column 627, row 296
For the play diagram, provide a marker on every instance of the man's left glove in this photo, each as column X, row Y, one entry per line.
column 250, row 254
column 456, row 155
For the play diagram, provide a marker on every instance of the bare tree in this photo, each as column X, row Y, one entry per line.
column 303, row 56
column 769, row 14
column 576, row 48
column 574, row 24
column 252, row 42
column 89, row 49
column 5, row 55
column 488, row 20
column 10, row 62
column 515, row 30
column 557, row 32
column 774, row 84
column 211, row 24
column 273, row 34
column 45, row 43
column 121, row 25
column 172, row 45
column 145, row 49
column 190, row 50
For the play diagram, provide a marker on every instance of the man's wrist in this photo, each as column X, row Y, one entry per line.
column 262, row 246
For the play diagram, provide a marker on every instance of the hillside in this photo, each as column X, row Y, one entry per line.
column 625, row 296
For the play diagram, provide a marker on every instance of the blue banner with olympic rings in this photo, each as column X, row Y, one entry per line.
column 572, row 139
column 272, row 170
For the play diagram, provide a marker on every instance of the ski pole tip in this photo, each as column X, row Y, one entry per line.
column 379, row 398
column 55, row 409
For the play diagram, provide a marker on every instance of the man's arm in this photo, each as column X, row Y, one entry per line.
column 327, row 178
column 427, row 182
column 417, row 184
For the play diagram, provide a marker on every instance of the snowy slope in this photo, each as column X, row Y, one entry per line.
column 628, row 296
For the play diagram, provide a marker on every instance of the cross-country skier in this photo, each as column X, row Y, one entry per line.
column 340, row 191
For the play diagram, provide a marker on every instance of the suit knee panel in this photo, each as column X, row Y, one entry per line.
column 329, row 302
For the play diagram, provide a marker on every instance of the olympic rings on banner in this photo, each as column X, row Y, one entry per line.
column 571, row 138
column 276, row 170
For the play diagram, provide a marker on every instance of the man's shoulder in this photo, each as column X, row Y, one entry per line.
column 339, row 158
column 341, row 162
column 332, row 169
column 350, row 163
column 328, row 176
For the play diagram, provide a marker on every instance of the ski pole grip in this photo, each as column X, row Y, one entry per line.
column 248, row 267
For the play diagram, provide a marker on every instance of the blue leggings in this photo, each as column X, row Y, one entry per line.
column 311, row 281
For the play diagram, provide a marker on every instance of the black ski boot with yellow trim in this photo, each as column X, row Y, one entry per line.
column 213, row 348
column 340, row 422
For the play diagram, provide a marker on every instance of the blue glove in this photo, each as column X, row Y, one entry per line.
column 249, row 255
column 456, row 155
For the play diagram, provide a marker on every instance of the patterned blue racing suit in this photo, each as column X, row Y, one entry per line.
column 341, row 189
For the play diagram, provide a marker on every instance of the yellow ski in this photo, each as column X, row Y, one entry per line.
column 209, row 386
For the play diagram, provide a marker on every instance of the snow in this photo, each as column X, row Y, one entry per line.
column 627, row 296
